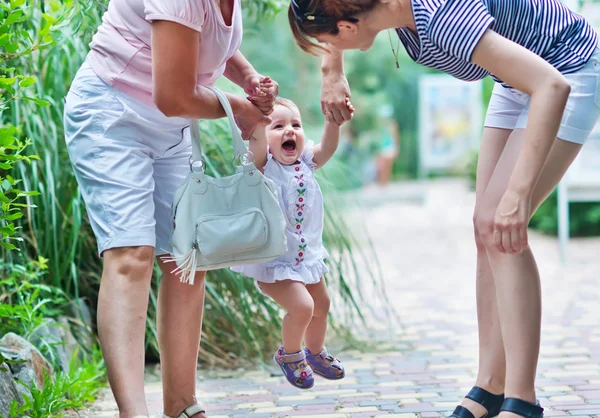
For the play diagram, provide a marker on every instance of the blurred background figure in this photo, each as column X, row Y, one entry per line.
column 388, row 147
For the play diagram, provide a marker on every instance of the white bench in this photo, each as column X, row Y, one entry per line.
column 581, row 183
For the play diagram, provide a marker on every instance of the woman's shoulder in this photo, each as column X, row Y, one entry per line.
column 188, row 13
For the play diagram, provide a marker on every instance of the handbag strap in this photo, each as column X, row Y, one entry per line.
column 239, row 148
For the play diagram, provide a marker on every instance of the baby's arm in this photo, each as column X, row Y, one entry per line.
column 258, row 146
column 329, row 143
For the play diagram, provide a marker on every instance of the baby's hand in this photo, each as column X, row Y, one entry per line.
column 349, row 105
column 350, row 109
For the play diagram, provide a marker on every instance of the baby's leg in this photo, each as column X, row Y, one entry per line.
column 320, row 360
column 315, row 333
column 295, row 299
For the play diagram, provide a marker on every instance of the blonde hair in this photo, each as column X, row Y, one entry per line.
column 281, row 101
column 310, row 18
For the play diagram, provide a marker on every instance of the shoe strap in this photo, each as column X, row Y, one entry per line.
column 291, row 358
column 462, row 412
column 523, row 408
column 486, row 399
column 189, row 412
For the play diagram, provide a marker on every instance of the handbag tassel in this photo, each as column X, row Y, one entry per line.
column 186, row 265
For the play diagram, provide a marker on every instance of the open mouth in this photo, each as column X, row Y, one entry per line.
column 289, row 146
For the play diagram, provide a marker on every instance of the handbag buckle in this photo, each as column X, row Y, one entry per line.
column 199, row 164
column 244, row 159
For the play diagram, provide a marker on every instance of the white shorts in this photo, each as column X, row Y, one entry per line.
column 509, row 108
column 128, row 159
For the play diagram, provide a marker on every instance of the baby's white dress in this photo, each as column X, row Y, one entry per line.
column 301, row 201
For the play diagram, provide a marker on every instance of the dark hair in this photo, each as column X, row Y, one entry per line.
column 310, row 18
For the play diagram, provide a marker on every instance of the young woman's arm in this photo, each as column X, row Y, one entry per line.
column 549, row 91
column 174, row 60
column 334, row 88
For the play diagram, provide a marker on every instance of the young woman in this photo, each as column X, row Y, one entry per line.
column 547, row 100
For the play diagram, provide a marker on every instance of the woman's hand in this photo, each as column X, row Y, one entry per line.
column 334, row 93
column 261, row 91
column 510, row 222
column 247, row 115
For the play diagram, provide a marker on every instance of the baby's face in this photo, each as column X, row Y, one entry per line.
column 285, row 135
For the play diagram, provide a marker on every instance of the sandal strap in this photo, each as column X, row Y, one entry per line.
column 292, row 358
column 462, row 412
column 324, row 355
column 189, row 412
column 486, row 399
column 523, row 408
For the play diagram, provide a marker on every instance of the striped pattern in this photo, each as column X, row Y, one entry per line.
column 448, row 31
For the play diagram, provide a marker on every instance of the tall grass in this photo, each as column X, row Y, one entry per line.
column 240, row 322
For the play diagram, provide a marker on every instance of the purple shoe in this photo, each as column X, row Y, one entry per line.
column 325, row 365
column 295, row 368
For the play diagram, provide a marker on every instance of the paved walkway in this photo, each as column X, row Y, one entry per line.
column 423, row 239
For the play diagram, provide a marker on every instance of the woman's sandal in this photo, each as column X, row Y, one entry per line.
column 325, row 365
column 295, row 368
column 189, row 412
column 523, row 408
column 489, row 401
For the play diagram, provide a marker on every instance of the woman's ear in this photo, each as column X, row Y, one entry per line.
column 347, row 28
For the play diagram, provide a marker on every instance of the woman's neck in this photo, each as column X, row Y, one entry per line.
column 391, row 14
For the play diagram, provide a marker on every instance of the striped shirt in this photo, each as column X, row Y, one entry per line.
column 449, row 30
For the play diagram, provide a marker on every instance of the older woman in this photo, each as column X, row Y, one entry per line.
column 127, row 133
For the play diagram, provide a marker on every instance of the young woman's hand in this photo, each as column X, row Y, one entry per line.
column 247, row 115
column 262, row 91
column 510, row 222
column 334, row 92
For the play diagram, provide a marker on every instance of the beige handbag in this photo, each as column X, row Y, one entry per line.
column 227, row 221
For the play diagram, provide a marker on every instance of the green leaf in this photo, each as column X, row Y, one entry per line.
column 6, row 81
column 10, row 89
column 16, row 3
column 39, row 102
column 16, row 16
column 14, row 217
column 4, row 39
column 27, row 82
column 8, row 246
column 50, row 19
column 31, row 193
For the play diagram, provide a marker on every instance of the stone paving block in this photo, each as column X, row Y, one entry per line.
column 273, row 410
column 556, row 388
column 253, row 405
column 568, row 407
column 566, row 398
column 357, row 409
column 587, row 387
column 331, row 406
column 589, row 394
column 241, row 413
